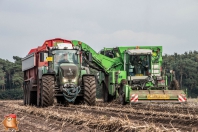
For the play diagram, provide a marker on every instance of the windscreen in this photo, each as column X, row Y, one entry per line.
column 139, row 65
column 65, row 56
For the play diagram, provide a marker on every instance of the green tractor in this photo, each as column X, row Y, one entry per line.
column 139, row 77
column 55, row 72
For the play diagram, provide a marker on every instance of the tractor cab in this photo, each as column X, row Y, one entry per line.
column 139, row 67
column 66, row 63
column 139, row 62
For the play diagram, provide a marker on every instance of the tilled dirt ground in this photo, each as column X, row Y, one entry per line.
column 103, row 117
column 35, row 122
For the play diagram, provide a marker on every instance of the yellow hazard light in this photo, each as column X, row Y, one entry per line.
column 49, row 59
column 158, row 96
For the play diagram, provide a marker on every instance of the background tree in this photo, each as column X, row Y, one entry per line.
column 2, row 78
column 186, row 69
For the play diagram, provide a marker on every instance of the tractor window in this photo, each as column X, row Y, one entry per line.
column 65, row 56
column 43, row 56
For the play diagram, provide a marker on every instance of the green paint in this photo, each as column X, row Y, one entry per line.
column 116, row 67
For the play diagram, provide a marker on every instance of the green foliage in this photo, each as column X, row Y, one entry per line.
column 11, row 94
column 11, row 75
column 2, row 75
column 186, row 70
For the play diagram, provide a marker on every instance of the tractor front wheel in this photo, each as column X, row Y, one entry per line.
column 89, row 90
column 47, row 94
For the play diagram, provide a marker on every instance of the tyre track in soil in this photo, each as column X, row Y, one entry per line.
column 182, row 121
column 181, row 109
column 32, row 123
column 103, row 123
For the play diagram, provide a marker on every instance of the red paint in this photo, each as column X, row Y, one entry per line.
column 49, row 43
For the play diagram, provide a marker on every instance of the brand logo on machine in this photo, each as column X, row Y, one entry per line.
column 70, row 72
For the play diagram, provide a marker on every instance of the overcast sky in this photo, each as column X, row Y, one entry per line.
column 26, row 24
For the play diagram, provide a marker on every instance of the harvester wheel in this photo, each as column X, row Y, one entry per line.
column 174, row 85
column 47, row 94
column 89, row 90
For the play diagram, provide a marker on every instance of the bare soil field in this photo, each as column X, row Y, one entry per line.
column 103, row 117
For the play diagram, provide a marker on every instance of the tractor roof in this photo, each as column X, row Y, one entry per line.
column 139, row 51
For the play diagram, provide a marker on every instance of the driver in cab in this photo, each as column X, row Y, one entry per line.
column 64, row 59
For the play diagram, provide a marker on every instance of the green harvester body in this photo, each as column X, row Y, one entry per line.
column 122, row 77
column 138, row 86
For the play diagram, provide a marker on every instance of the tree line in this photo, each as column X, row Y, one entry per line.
column 11, row 74
column 11, row 79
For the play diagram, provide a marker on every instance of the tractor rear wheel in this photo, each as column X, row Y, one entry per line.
column 89, row 90
column 47, row 93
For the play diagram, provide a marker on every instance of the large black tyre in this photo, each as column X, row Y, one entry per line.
column 47, row 93
column 89, row 90
column 174, row 85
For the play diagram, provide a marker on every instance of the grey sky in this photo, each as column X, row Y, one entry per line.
column 26, row 24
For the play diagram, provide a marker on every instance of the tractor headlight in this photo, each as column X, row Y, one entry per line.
column 65, row 80
column 74, row 80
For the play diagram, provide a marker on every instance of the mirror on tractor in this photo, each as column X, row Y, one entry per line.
column 90, row 57
column 41, row 56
